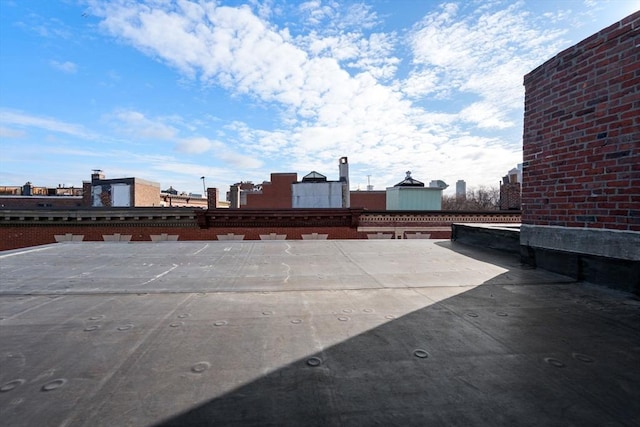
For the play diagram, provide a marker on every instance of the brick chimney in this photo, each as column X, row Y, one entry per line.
column 86, row 194
column 212, row 198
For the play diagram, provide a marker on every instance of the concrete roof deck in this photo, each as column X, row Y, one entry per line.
column 351, row 332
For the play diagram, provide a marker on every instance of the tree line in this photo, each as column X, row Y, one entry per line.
column 477, row 199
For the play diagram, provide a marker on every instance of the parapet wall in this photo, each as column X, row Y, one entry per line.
column 23, row 228
column 581, row 170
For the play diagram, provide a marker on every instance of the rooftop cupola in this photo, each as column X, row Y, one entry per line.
column 409, row 182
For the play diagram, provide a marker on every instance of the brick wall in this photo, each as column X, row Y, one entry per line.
column 86, row 194
column 582, row 134
column 26, row 228
column 145, row 193
column 372, row 200
column 32, row 202
column 212, row 198
column 275, row 194
column 22, row 237
column 510, row 196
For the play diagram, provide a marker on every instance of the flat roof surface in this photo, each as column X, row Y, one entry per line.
column 337, row 333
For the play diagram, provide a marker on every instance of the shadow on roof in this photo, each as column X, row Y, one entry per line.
column 549, row 354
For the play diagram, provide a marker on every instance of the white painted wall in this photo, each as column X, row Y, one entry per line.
column 317, row 194
column 120, row 195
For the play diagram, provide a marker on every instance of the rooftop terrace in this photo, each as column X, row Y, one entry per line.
column 337, row 332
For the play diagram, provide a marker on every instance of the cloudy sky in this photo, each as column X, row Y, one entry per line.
column 170, row 91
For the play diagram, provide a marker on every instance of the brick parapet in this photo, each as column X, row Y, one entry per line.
column 438, row 218
column 581, row 143
column 23, row 228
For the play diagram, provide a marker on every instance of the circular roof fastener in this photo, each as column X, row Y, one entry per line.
column 583, row 358
column 53, row 385
column 200, row 367
column 314, row 361
column 11, row 385
column 420, row 353
column 554, row 362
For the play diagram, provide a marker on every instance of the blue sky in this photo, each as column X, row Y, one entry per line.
column 170, row 91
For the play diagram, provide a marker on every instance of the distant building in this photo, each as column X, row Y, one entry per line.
column 99, row 192
column 511, row 189
column 122, row 192
column 273, row 194
column 315, row 191
column 237, row 194
column 29, row 196
column 461, row 189
column 411, row 195
column 284, row 191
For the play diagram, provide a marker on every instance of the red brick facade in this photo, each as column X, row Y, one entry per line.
column 510, row 196
column 21, row 237
column 372, row 200
column 275, row 194
column 582, row 134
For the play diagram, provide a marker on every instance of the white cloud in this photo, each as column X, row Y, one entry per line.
column 66, row 67
column 485, row 54
column 11, row 133
column 333, row 17
column 14, row 118
column 485, row 115
column 337, row 87
column 65, row 151
column 239, row 162
column 138, row 125
column 316, row 12
column 195, row 145
column 45, row 27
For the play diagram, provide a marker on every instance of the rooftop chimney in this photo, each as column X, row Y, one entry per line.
column 97, row 174
column 344, row 177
